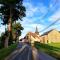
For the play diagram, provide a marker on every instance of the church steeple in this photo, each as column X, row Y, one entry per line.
column 36, row 31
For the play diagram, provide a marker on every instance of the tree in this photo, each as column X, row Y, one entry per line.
column 2, row 40
column 11, row 10
column 16, row 29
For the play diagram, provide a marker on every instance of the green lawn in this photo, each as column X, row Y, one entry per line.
column 55, row 44
column 6, row 51
column 52, row 49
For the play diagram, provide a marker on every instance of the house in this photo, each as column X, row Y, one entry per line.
column 52, row 36
column 32, row 37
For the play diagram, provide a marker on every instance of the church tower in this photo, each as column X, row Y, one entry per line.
column 36, row 31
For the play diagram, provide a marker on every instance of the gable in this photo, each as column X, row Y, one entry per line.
column 50, row 31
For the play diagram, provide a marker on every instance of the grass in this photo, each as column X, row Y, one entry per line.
column 55, row 44
column 6, row 51
column 52, row 49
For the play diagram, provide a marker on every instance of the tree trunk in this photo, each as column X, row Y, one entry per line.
column 10, row 32
column 17, row 40
column 6, row 42
column 9, row 25
column 15, row 33
column 6, row 38
column 10, row 28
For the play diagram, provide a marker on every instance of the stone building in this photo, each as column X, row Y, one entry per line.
column 52, row 36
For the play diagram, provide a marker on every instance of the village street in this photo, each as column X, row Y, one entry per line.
column 26, row 52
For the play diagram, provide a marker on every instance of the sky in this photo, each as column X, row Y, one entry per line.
column 40, row 13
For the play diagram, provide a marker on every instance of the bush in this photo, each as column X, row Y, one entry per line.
column 49, row 49
column 6, row 51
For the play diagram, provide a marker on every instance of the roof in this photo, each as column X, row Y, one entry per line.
column 47, row 32
column 59, row 31
column 33, row 34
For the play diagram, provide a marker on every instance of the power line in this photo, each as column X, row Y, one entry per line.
column 50, row 25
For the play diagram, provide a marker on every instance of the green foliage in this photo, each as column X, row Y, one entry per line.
column 12, row 9
column 10, row 1
column 55, row 44
column 17, row 26
column 16, row 30
column 6, row 51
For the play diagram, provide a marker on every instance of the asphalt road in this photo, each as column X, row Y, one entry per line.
column 25, row 54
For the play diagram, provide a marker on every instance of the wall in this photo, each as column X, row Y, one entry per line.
column 54, row 36
column 44, row 39
column 32, row 39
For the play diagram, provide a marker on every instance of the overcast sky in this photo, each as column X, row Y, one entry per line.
column 40, row 13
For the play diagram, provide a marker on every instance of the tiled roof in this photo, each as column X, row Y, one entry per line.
column 33, row 34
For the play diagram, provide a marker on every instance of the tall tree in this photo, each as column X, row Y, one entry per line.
column 2, row 40
column 16, row 29
column 4, row 37
column 11, row 10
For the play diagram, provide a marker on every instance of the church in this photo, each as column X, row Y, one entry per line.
column 33, row 37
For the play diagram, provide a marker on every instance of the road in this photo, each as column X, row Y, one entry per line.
column 25, row 54
column 44, row 56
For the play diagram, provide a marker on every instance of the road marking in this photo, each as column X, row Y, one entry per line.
column 22, row 48
column 28, row 55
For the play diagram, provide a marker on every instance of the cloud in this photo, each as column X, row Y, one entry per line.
column 31, row 28
column 32, row 10
column 54, row 9
column 55, row 16
column 34, row 15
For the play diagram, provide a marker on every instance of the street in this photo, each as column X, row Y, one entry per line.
column 25, row 54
